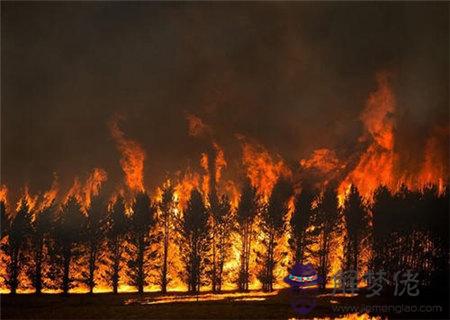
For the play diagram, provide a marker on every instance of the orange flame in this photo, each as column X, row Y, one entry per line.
column 3, row 193
column 133, row 157
column 84, row 192
column 376, row 165
column 262, row 170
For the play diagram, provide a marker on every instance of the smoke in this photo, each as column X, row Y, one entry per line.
column 293, row 77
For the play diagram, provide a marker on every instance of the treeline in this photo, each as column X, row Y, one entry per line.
column 405, row 230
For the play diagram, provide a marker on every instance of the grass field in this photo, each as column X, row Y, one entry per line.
column 253, row 305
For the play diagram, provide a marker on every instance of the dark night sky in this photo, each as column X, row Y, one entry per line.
column 293, row 76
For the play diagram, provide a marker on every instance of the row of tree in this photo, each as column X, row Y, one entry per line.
column 405, row 230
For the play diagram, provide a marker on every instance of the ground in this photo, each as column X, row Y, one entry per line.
column 254, row 305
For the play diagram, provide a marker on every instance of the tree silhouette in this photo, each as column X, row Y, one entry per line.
column 300, row 220
column 246, row 212
column 117, row 228
column 19, row 235
column 223, row 223
column 326, row 221
column 142, row 220
column 214, row 229
column 195, row 238
column 356, row 223
column 41, row 229
column 383, row 203
column 410, row 232
column 438, row 230
column 95, row 235
column 167, row 217
column 273, row 225
column 70, row 228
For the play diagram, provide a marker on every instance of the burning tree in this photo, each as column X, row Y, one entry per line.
column 223, row 223
column 195, row 243
column 326, row 223
column 356, row 224
column 95, row 235
column 407, row 236
column 117, row 228
column 18, row 238
column 167, row 207
column 41, row 229
column 142, row 220
column 300, row 221
column 274, row 226
column 247, row 210
column 69, row 233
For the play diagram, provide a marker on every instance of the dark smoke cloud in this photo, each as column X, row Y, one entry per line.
column 293, row 76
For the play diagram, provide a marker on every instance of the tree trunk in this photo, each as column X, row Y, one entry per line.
column 214, row 272
column 164, row 266
column 66, row 268
column 92, row 260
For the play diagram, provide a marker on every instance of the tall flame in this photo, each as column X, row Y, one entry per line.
column 263, row 170
column 84, row 192
column 3, row 193
column 376, row 165
column 132, row 160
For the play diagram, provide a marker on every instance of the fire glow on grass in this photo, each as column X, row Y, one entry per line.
column 377, row 165
column 254, row 296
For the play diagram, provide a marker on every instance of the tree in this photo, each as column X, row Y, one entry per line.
column 117, row 228
column 195, row 236
column 223, row 222
column 69, row 235
column 214, row 228
column 326, row 215
column 273, row 224
column 246, row 212
column 141, row 222
column 167, row 208
column 300, row 221
column 19, row 236
column 41, row 228
column 381, row 226
column 95, row 235
column 410, row 232
column 356, row 223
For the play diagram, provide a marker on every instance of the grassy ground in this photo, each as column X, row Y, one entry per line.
column 134, row 306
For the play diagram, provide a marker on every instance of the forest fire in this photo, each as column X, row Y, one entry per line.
column 376, row 167
column 170, row 157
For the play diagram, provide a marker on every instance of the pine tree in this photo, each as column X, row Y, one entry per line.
column 356, row 224
column 247, row 210
column 167, row 208
column 19, row 235
column 223, row 225
column 142, row 220
column 117, row 229
column 300, row 221
column 326, row 216
column 195, row 236
column 70, row 231
column 273, row 223
column 95, row 235
column 41, row 227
